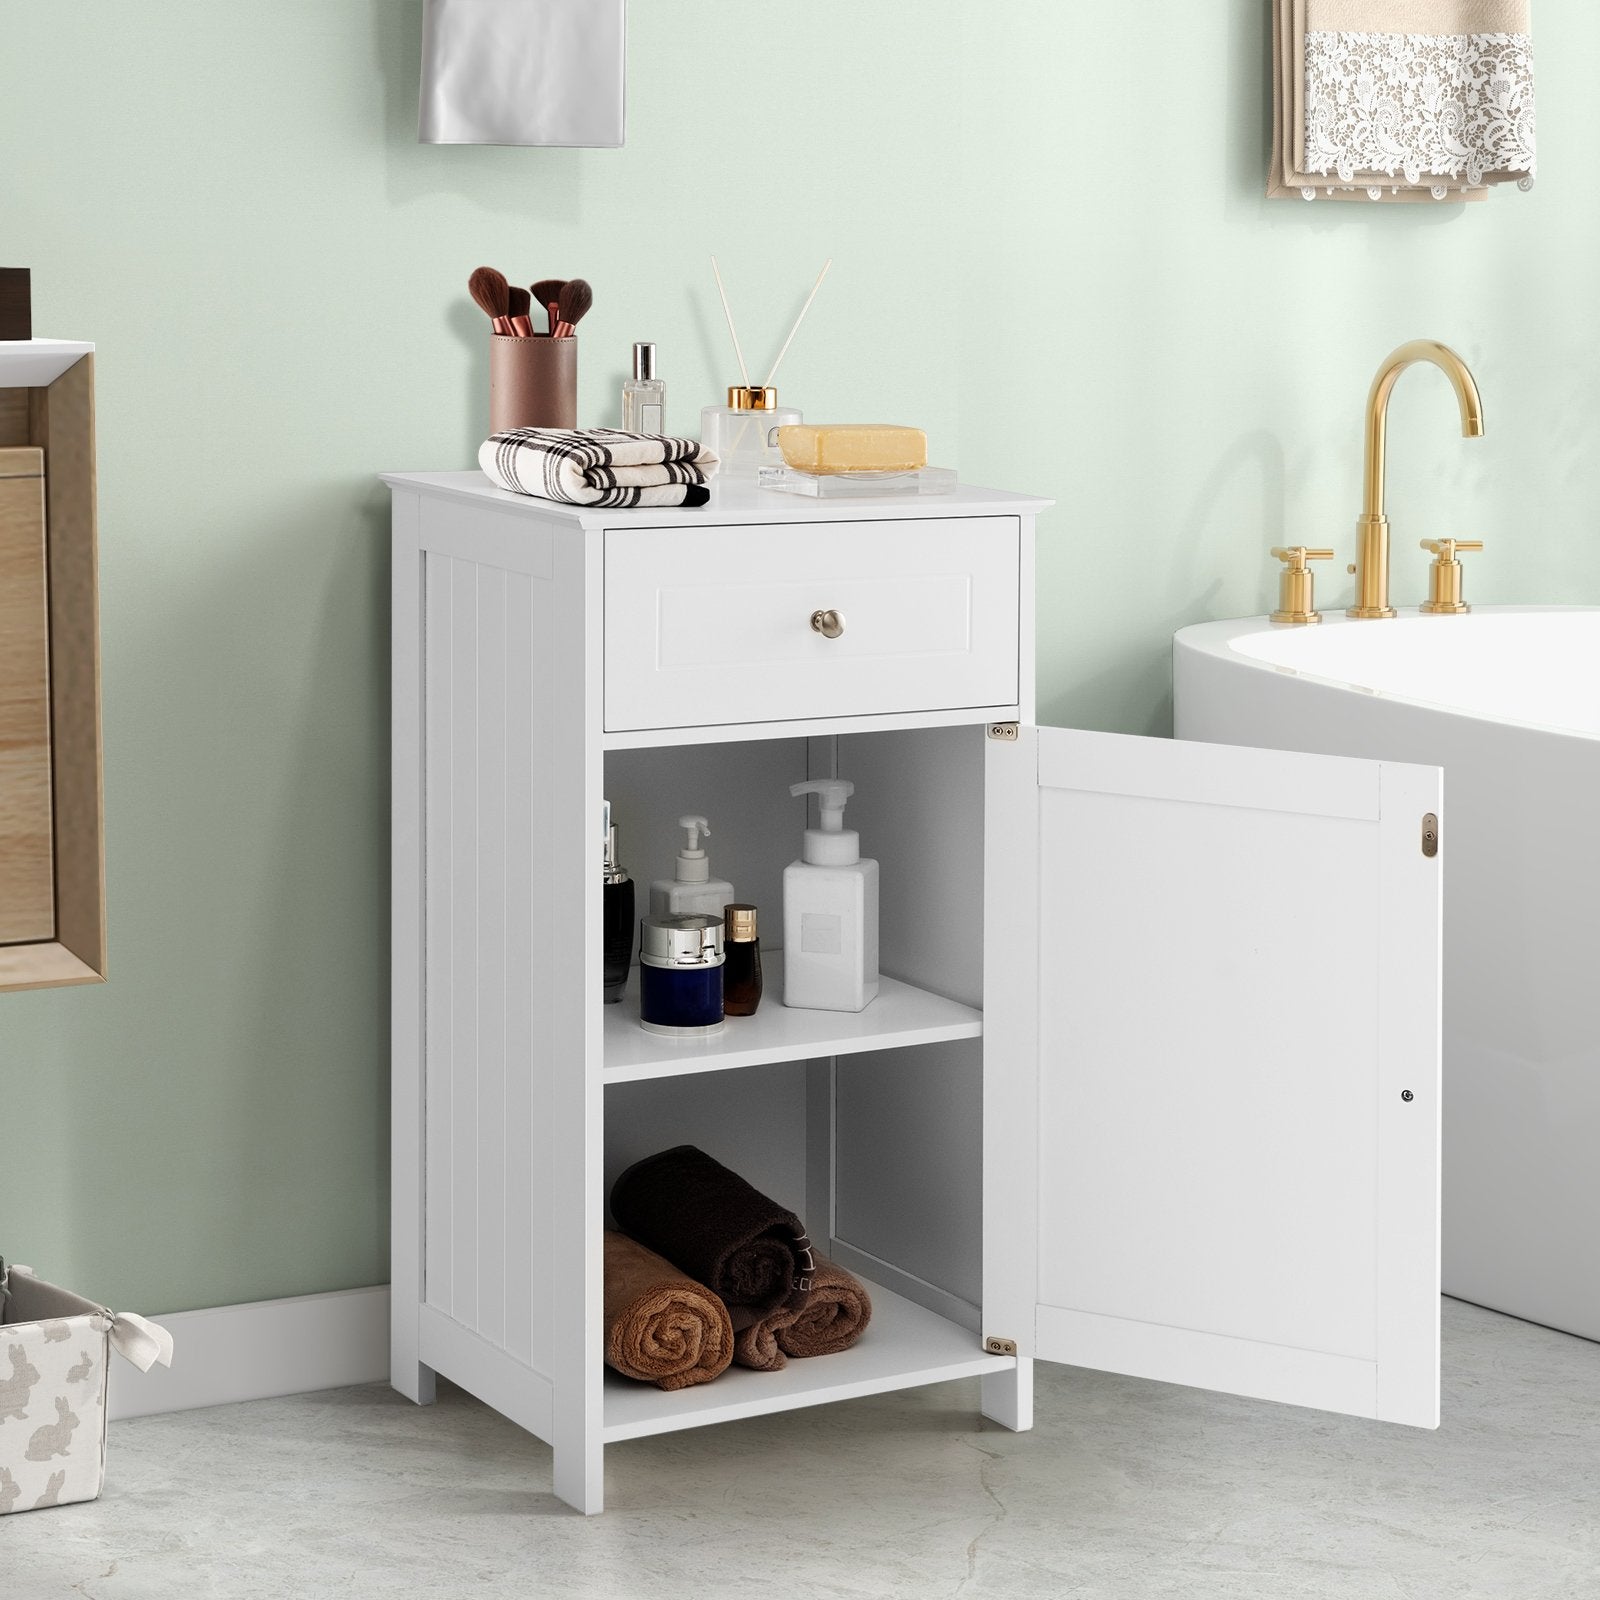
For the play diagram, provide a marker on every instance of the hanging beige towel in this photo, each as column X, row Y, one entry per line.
column 1401, row 100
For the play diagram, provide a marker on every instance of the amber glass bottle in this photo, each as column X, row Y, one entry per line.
column 741, row 976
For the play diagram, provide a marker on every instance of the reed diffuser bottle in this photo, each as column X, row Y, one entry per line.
column 743, row 434
column 740, row 434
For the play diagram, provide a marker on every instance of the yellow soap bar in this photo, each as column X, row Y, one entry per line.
column 827, row 447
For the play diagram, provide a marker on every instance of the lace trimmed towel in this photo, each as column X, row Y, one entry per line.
column 1401, row 100
column 598, row 466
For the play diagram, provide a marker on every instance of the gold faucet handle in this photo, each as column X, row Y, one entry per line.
column 1444, row 577
column 1295, row 583
column 1296, row 555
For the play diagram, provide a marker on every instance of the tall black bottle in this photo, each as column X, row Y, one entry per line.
column 616, row 918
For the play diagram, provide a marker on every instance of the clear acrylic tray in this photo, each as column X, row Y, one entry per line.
column 858, row 485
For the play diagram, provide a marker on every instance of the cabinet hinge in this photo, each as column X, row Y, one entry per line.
column 1000, row 1347
column 1006, row 731
column 1430, row 835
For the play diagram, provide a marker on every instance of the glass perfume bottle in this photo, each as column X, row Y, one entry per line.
column 644, row 395
column 742, row 435
column 741, row 973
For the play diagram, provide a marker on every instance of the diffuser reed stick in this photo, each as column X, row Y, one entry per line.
column 744, row 372
column 797, row 321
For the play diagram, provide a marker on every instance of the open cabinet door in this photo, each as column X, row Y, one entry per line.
column 1211, row 1104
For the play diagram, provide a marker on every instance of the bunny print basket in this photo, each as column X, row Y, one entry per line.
column 55, row 1347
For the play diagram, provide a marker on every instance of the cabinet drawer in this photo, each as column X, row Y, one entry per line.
column 713, row 625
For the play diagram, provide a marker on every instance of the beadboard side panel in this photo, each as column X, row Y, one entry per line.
column 487, row 1196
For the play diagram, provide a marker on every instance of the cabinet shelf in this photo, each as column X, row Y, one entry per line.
column 901, row 1015
column 904, row 1346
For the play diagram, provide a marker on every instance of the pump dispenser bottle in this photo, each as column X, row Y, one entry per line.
column 830, row 911
column 693, row 890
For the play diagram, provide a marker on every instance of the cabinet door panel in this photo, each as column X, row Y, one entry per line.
column 27, row 879
column 1213, row 990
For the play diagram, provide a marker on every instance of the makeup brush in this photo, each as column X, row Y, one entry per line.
column 572, row 306
column 546, row 293
column 519, row 304
column 493, row 294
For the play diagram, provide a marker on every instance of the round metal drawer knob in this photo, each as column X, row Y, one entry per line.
column 828, row 623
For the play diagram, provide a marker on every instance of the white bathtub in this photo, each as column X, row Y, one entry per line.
column 1507, row 701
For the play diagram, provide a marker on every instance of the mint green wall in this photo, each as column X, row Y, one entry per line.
column 1050, row 248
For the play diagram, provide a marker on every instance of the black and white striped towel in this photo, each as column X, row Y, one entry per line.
column 598, row 466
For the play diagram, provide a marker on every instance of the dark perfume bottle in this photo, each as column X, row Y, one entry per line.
column 616, row 918
column 741, row 974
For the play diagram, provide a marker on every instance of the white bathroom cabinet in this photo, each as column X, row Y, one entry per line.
column 1153, row 1082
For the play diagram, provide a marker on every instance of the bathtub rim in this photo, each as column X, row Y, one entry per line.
column 1216, row 640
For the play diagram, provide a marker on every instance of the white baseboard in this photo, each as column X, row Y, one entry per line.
column 253, row 1352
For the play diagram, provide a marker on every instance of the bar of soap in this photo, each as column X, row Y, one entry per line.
column 829, row 447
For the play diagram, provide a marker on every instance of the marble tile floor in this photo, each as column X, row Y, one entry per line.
column 1123, row 1491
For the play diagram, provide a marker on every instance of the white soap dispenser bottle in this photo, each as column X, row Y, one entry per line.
column 830, row 911
column 693, row 890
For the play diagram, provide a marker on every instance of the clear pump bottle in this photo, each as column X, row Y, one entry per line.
column 691, row 889
column 644, row 395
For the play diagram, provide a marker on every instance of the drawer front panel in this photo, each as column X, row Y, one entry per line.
column 707, row 626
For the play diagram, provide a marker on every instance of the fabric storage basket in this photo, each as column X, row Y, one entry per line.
column 55, row 1348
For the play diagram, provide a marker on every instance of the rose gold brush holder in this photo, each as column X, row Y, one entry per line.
column 533, row 382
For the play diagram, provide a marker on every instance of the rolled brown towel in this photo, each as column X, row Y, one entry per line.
column 711, row 1224
column 832, row 1320
column 661, row 1327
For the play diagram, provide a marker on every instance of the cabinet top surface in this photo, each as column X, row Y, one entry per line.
column 37, row 363
column 730, row 502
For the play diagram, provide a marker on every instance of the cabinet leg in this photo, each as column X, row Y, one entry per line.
column 580, row 1477
column 413, row 1380
column 1008, row 1396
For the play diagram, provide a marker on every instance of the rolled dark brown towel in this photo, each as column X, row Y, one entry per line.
column 832, row 1320
column 661, row 1327
column 712, row 1225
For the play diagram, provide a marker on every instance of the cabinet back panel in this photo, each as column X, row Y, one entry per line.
column 752, row 1121
column 741, row 789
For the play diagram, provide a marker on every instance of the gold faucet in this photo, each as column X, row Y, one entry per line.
column 1372, row 531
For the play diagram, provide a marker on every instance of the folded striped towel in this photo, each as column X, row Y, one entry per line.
column 598, row 466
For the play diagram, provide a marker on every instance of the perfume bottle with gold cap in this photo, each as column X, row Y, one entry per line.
column 742, row 435
column 741, row 974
